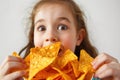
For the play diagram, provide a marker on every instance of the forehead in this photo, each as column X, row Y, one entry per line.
column 54, row 10
column 56, row 4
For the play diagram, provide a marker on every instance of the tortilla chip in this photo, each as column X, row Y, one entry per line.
column 42, row 57
column 63, row 75
column 85, row 66
column 61, row 61
column 15, row 54
column 45, row 64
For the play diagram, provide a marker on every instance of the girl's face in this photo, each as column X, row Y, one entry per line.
column 55, row 23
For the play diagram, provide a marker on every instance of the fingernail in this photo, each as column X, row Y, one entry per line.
column 23, row 72
column 92, row 63
column 94, row 67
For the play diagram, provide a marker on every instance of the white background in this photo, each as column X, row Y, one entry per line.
column 103, row 21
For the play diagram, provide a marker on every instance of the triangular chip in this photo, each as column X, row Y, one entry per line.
column 85, row 66
column 45, row 64
column 61, row 61
column 15, row 54
column 40, row 58
column 62, row 74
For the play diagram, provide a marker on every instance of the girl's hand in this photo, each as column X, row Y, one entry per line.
column 13, row 68
column 107, row 67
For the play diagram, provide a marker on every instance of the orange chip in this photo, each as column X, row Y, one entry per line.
column 85, row 66
column 45, row 64
column 63, row 75
column 61, row 61
column 54, row 77
column 75, row 66
column 47, row 72
column 40, row 58
column 15, row 54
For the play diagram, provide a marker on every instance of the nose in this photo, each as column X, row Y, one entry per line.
column 51, row 37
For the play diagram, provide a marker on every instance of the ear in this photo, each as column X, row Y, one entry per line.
column 80, row 36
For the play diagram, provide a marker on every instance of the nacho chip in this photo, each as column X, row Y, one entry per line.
column 42, row 57
column 85, row 66
column 15, row 54
column 61, row 61
column 75, row 67
column 63, row 75
column 45, row 64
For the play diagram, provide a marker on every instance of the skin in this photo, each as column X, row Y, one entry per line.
column 107, row 67
column 10, row 63
column 60, row 27
column 52, row 24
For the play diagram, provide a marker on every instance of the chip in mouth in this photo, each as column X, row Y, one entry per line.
column 46, row 64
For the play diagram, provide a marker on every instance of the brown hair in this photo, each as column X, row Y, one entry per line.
column 79, row 17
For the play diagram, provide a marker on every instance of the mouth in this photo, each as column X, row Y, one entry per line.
column 61, row 51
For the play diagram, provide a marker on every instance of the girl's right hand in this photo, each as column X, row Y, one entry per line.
column 12, row 68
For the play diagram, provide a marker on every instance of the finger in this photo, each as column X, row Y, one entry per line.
column 11, row 58
column 102, row 59
column 103, row 72
column 108, row 70
column 12, row 66
column 109, row 78
column 19, row 78
column 14, row 75
column 106, row 74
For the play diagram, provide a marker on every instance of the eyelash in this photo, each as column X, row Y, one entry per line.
column 41, row 28
column 60, row 27
column 64, row 27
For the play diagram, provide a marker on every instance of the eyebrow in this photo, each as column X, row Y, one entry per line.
column 40, row 20
column 60, row 18
column 64, row 18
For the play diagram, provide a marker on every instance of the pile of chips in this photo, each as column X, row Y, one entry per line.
column 45, row 64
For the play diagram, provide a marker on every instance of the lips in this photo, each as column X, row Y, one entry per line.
column 61, row 51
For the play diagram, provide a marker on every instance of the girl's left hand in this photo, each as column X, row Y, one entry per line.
column 107, row 67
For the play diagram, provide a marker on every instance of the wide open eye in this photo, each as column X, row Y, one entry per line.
column 41, row 28
column 62, row 27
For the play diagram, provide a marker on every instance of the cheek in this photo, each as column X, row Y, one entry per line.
column 37, row 40
column 69, row 42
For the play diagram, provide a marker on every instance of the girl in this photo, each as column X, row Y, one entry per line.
column 63, row 21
